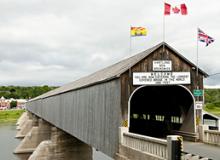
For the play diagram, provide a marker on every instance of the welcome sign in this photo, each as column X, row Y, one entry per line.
column 152, row 78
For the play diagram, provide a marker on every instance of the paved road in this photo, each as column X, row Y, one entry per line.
column 202, row 149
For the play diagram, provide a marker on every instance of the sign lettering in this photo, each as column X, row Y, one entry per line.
column 144, row 78
column 162, row 65
column 199, row 104
column 198, row 92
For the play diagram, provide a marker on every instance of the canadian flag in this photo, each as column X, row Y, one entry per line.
column 168, row 9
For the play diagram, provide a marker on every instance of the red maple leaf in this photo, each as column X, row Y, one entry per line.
column 176, row 10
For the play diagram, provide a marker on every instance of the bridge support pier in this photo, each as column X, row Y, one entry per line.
column 22, row 120
column 41, row 141
column 25, row 126
column 62, row 146
column 40, row 131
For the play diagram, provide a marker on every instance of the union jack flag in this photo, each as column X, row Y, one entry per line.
column 203, row 37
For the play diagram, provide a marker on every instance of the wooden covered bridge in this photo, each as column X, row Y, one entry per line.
column 151, row 93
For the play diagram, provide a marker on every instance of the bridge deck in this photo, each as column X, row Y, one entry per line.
column 205, row 150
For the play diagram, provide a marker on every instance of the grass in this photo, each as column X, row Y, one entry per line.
column 10, row 115
column 212, row 98
column 213, row 107
column 215, row 111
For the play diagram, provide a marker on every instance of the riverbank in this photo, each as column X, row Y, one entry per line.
column 10, row 116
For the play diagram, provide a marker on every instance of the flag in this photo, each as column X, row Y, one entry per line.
column 138, row 31
column 203, row 37
column 183, row 9
column 176, row 10
column 168, row 9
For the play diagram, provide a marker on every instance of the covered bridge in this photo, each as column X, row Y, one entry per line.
column 150, row 92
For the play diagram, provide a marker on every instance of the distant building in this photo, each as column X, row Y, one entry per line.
column 21, row 103
column 5, row 103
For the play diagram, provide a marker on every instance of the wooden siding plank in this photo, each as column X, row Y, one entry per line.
column 90, row 114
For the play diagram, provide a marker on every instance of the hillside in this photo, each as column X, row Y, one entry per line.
column 18, row 92
column 212, row 101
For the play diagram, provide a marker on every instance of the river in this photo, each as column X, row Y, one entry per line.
column 8, row 143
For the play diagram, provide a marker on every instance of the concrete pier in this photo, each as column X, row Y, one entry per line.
column 42, row 141
column 26, row 126
column 68, row 147
column 42, row 152
column 21, row 120
column 62, row 146
column 40, row 131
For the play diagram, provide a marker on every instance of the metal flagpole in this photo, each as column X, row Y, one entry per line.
column 197, row 59
column 198, row 111
column 129, row 81
column 163, row 26
column 130, row 43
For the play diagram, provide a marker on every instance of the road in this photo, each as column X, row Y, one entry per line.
column 205, row 150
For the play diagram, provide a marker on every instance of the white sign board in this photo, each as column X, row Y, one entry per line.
column 162, row 65
column 144, row 78
column 199, row 104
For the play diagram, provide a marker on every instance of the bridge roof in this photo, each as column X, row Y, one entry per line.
column 111, row 72
column 210, row 115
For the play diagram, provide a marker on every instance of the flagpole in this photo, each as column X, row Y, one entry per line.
column 129, row 78
column 197, row 59
column 130, row 43
column 163, row 27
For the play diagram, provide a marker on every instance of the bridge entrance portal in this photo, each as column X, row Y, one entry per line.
column 161, row 110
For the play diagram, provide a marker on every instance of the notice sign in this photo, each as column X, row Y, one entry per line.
column 198, row 92
column 148, row 78
column 199, row 104
column 162, row 65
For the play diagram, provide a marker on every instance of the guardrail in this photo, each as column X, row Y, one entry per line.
column 160, row 149
column 211, row 137
column 147, row 144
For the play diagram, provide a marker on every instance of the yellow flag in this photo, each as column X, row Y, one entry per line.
column 138, row 31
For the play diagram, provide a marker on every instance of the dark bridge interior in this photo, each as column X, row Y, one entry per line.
column 159, row 110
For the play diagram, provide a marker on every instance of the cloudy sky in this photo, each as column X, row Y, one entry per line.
column 53, row 42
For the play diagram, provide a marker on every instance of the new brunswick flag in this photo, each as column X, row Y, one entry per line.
column 138, row 31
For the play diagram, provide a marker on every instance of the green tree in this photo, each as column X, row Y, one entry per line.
column 12, row 90
column 13, row 104
column 18, row 92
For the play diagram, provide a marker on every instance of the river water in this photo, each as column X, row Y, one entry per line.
column 8, row 143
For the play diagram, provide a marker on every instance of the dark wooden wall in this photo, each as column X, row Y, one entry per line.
column 146, row 65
